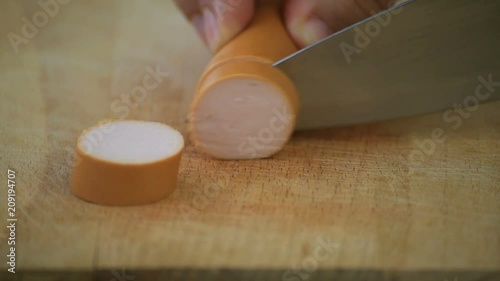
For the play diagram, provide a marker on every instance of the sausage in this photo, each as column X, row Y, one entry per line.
column 125, row 163
column 244, row 108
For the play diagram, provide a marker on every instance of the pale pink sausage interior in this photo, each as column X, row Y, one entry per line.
column 242, row 118
column 131, row 142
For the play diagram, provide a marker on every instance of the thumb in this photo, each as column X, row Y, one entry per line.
column 309, row 21
column 218, row 21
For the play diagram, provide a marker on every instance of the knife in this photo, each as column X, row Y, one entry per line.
column 418, row 57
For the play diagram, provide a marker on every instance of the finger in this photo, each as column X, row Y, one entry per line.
column 218, row 21
column 309, row 21
column 188, row 7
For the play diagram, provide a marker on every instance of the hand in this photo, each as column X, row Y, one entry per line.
column 306, row 20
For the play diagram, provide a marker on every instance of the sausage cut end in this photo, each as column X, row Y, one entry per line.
column 126, row 163
column 131, row 142
column 243, row 118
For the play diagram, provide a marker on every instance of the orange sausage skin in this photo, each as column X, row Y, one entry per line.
column 251, row 54
column 114, row 184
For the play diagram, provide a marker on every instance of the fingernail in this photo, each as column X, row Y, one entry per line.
column 312, row 31
column 207, row 27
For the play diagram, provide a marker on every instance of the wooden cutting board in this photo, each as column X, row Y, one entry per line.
column 368, row 202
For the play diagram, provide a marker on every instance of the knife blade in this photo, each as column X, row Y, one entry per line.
column 419, row 57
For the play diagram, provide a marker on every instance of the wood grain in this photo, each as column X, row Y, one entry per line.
column 389, row 214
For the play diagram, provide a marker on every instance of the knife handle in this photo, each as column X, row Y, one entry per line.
column 245, row 61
